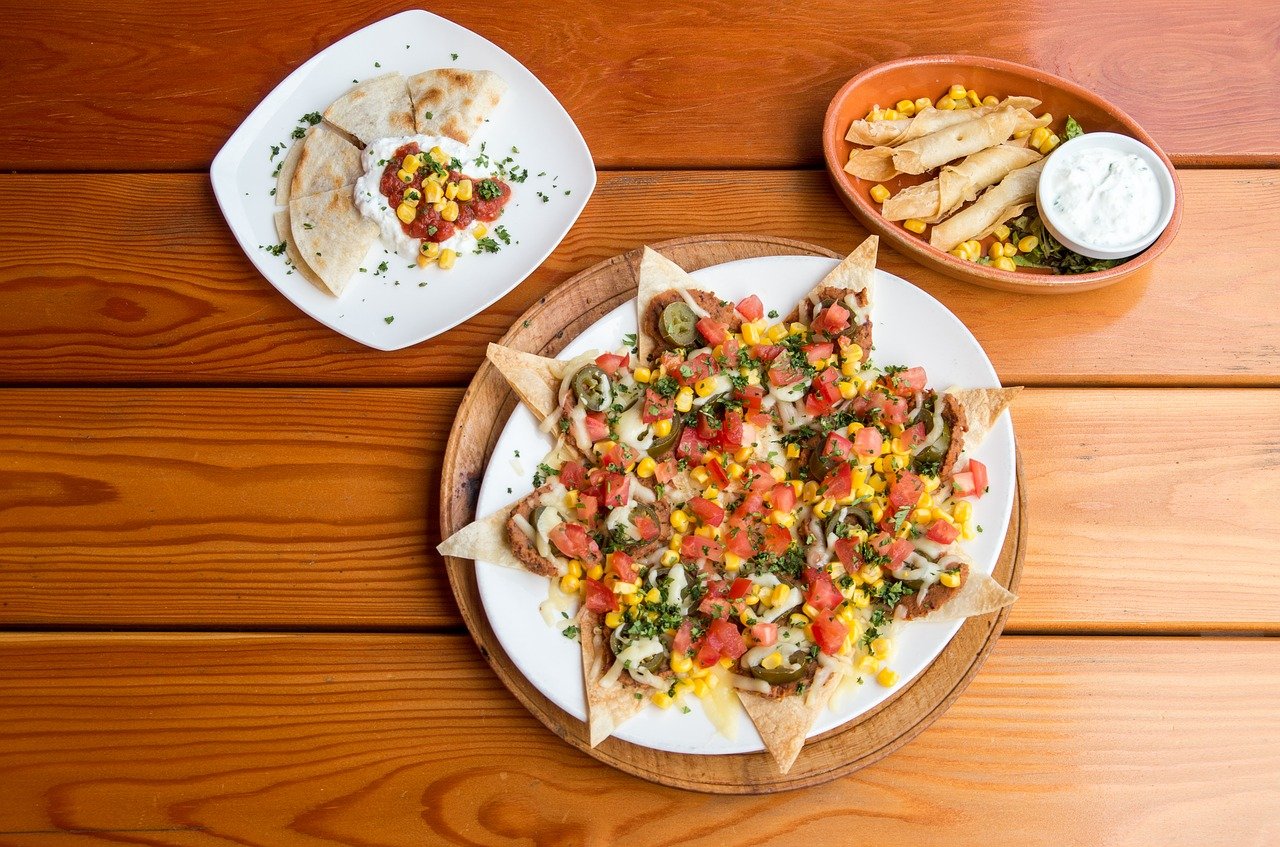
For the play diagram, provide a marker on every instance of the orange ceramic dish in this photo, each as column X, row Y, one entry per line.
column 930, row 76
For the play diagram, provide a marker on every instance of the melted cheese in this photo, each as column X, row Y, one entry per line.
column 750, row 683
column 792, row 393
column 935, row 431
column 557, row 603
column 523, row 524
column 721, row 703
column 693, row 304
column 547, row 521
column 675, row 591
column 723, row 385
column 633, row 431
column 633, row 654
column 578, row 428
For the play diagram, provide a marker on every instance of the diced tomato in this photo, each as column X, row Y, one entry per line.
column 731, row 430
column 764, row 634
column 599, row 597
column 571, row 540
column 962, row 485
column 726, row 639
column 753, row 504
column 777, row 539
column 760, row 420
column 610, row 362
column 782, row 497
column 717, row 473
column 905, row 490
column 980, row 480
column 737, row 538
column 708, row 428
column 646, row 527
column 867, row 442
column 654, row 407
column 697, row 547
column 623, row 565
column 766, row 352
column 712, row 330
column 691, row 370
column 683, row 639
column 587, row 507
column 707, row 511
column 909, row 382
column 731, row 348
column 666, row 471
column 942, row 532
column 739, row 589
column 751, row 308
column 761, row 478
column 751, row 396
column 837, row 448
column 597, row 426
column 707, row 655
column 896, row 550
column 832, row 320
column 573, row 475
column 617, row 490
column 829, row 632
column 827, row 384
column 838, row 483
column 716, row 606
column 784, row 373
column 818, row 352
column 822, row 593
column 690, row 446
column 847, row 553
column 913, row 436
column 893, row 410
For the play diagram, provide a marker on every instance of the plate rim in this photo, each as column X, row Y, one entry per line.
column 222, row 176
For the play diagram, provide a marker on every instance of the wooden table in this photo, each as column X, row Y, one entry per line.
column 224, row 620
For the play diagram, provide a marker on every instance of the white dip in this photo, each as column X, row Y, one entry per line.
column 373, row 204
column 1103, row 198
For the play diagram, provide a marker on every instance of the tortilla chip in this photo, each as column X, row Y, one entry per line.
column 857, row 271
column 284, row 179
column 658, row 274
column 980, row 595
column 784, row 722
column 982, row 407
column 484, row 540
column 607, row 707
column 332, row 235
column 327, row 161
column 454, row 102
column 285, row 233
column 535, row 379
column 376, row 108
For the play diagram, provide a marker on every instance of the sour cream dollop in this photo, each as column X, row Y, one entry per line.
column 1102, row 197
column 375, row 206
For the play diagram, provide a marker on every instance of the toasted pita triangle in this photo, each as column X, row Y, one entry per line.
column 376, row 108
column 327, row 161
column 484, row 540
column 535, row 379
column 332, row 235
column 454, row 102
column 658, row 274
column 982, row 407
column 607, row 707
column 784, row 722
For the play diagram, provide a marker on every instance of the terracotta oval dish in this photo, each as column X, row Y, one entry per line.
column 930, row 76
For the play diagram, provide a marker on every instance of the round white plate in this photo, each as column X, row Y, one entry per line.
column 911, row 328
column 421, row 303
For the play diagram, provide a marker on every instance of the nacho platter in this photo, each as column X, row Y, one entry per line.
column 931, row 683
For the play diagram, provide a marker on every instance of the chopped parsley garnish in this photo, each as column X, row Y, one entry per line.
column 541, row 474
column 276, row 249
column 389, row 319
column 773, row 314
column 503, row 235
column 570, row 632
column 488, row 189
column 487, row 245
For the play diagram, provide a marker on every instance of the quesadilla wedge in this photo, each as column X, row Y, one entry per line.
column 454, row 102
column 376, row 108
column 327, row 161
column 331, row 236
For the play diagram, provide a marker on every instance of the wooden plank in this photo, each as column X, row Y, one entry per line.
column 722, row 85
column 219, row 739
column 158, row 291
column 280, row 508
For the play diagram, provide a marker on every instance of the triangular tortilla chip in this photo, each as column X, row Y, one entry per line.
column 535, row 379
column 284, row 231
column 607, row 707
column 454, row 102
column 376, row 108
column 979, row 595
column 332, row 235
column 657, row 274
column 784, row 722
column 982, row 407
column 284, row 179
column 855, row 274
column 484, row 540
column 328, row 161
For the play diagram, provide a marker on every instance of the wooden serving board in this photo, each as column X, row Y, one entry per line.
column 545, row 329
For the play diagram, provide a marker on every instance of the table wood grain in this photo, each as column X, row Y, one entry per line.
column 159, row 291
column 222, row 620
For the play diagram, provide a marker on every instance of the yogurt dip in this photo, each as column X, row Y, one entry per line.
column 1102, row 197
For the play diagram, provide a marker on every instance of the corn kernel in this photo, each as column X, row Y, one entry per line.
column 1047, row 118
column 662, row 428
column 996, row 250
column 613, row 620
column 575, row 568
column 880, row 648
column 776, row 333
column 683, row 687
column 434, row 193
column 645, row 468
column 779, row 595
column 411, row 163
column 480, row 231
column 681, row 663
column 784, row 519
column 798, row 619
column 569, row 584
column 914, row 225
column 624, row 588
column 747, row 617
column 712, row 532
column 404, row 176
column 1002, row 232
column 430, row 249
column 700, row 688
column 868, row 664
column 810, row 611
column 771, row 661
column 732, row 562
column 751, row 334
column 406, row 212
column 991, row 100
column 1004, row 263
column 905, row 108
column 653, row 595
column 679, row 521
column 951, row 579
column 1028, row 243
column 669, row 558
column 823, row 508
column 642, row 374
column 1038, row 136
column 888, row 678
column 450, row 211
column 1049, row 143
column 447, row 258
column 465, row 190
column 973, row 98
column 945, row 104
column 595, row 572
column 662, row 699
column 956, row 91
column 684, row 399
column 879, row 193
column 871, row 572
column 809, row 491
column 705, row 387
column 963, row 510
column 923, row 103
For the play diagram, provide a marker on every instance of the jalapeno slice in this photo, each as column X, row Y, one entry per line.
column 662, row 446
column 678, row 325
column 938, row 450
column 593, row 388
column 654, row 663
column 782, row 675
column 642, row 510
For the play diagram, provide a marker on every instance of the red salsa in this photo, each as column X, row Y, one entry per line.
column 488, row 196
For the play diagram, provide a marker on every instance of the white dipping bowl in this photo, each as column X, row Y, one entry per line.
column 1122, row 144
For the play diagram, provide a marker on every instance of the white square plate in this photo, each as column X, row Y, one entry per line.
column 401, row 305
